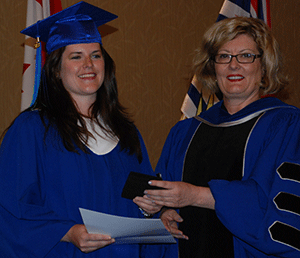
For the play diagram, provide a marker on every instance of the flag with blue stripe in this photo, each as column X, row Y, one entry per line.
column 246, row 8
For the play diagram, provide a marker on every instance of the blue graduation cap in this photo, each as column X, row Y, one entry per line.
column 77, row 24
column 74, row 25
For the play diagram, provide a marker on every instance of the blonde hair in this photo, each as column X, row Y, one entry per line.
column 226, row 30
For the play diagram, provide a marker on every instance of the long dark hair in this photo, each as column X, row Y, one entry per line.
column 56, row 105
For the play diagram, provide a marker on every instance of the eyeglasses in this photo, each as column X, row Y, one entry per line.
column 245, row 58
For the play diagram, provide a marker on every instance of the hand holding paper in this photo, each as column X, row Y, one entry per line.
column 126, row 230
column 86, row 242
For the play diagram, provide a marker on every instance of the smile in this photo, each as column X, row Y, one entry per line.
column 235, row 77
column 87, row 75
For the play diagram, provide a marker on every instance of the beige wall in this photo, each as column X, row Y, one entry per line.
column 152, row 43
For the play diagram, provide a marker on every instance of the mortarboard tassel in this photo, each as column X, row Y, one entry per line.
column 38, row 65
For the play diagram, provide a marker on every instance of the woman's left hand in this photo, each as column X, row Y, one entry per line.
column 147, row 204
column 170, row 218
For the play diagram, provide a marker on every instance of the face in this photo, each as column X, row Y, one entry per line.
column 239, row 81
column 82, row 71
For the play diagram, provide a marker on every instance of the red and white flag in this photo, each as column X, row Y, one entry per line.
column 36, row 10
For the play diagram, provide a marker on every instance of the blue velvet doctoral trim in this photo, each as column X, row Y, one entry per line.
column 217, row 115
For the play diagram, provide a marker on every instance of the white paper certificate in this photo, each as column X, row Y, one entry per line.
column 126, row 230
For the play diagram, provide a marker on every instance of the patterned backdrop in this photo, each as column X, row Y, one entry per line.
column 152, row 43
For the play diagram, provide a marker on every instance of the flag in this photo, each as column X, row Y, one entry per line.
column 246, row 8
column 195, row 100
column 36, row 10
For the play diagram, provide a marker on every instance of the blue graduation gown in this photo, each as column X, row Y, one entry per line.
column 42, row 186
column 259, row 210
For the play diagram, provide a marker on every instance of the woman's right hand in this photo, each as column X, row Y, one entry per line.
column 86, row 242
column 170, row 218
